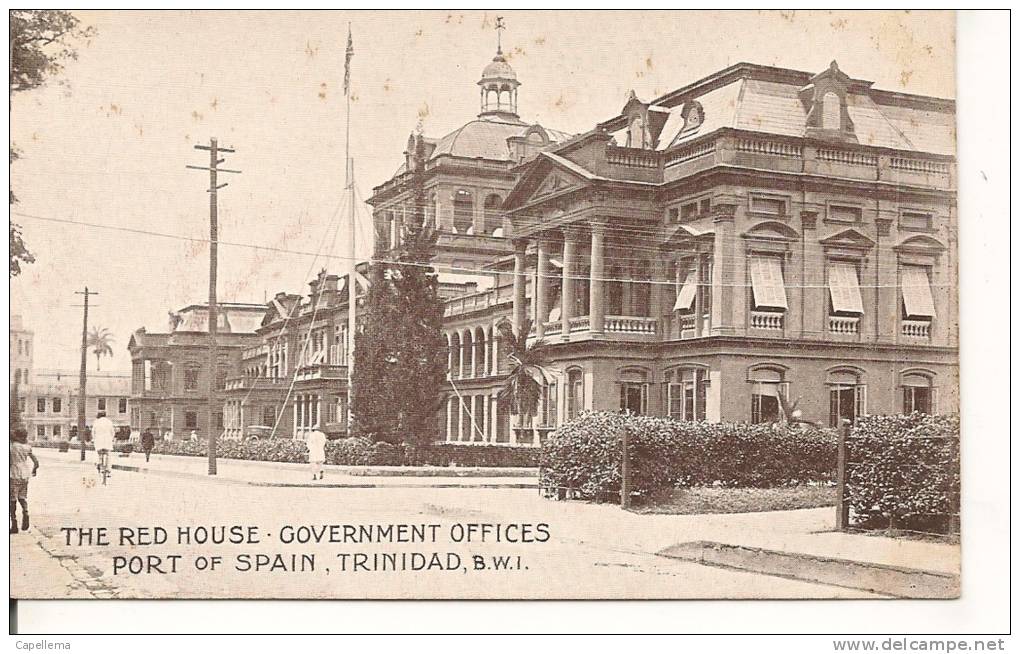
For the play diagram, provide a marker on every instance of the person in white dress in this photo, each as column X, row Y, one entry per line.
column 316, row 453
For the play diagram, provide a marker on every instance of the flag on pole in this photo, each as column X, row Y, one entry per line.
column 347, row 61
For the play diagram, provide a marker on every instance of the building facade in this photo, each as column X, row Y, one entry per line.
column 21, row 343
column 758, row 239
column 170, row 370
column 49, row 406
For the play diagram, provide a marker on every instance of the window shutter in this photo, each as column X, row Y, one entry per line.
column 845, row 289
column 685, row 298
column 767, row 283
column 917, row 298
column 861, row 400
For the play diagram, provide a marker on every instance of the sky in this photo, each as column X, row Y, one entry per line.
column 107, row 141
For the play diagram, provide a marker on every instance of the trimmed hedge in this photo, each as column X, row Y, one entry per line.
column 903, row 472
column 585, row 455
column 347, row 451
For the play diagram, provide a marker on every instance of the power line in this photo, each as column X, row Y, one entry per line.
column 438, row 267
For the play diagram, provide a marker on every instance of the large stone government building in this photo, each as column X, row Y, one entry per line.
column 756, row 233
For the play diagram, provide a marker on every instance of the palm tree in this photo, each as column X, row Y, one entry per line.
column 100, row 340
column 522, row 389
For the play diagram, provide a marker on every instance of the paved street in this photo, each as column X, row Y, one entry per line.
column 593, row 551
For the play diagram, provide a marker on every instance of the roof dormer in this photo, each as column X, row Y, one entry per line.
column 825, row 99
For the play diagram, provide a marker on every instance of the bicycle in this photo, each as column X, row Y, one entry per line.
column 104, row 465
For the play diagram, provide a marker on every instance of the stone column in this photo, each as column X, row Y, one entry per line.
column 519, row 281
column 596, row 288
column 495, row 351
column 567, row 296
column 812, row 298
column 460, row 370
column 486, row 436
column 725, row 277
column 487, row 337
column 449, row 357
column 542, row 288
column 450, row 404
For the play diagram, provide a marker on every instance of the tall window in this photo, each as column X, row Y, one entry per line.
column 549, row 404
column 122, row 405
column 848, row 397
column 918, row 303
column 575, row 393
column 768, row 292
column 687, row 392
column 463, row 212
column 918, row 394
column 190, row 420
column 767, row 385
column 636, row 133
column 56, row 404
column 191, row 378
column 101, row 404
column 641, row 289
column 268, row 416
column 614, row 292
column 634, row 391
column 493, row 221
column 40, row 405
column 56, row 430
column 831, row 111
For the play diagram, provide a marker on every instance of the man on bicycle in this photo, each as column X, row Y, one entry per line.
column 102, row 439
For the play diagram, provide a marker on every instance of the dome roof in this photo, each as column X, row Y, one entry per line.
column 498, row 69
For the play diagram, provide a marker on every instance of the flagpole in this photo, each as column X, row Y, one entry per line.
column 351, row 277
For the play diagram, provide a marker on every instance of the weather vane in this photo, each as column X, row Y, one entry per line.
column 500, row 26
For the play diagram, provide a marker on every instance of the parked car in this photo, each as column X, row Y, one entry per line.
column 257, row 432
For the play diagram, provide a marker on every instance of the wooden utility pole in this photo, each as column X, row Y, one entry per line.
column 213, row 168
column 842, row 507
column 625, row 469
column 81, row 369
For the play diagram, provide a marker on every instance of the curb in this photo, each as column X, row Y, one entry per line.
column 887, row 580
column 273, row 484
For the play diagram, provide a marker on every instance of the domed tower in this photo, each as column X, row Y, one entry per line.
column 499, row 85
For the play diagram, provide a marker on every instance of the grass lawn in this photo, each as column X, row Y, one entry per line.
column 686, row 501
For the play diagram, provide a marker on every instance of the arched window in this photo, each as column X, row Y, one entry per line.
column 191, row 375
column 848, row 395
column 466, row 344
column 634, row 391
column 636, row 133
column 575, row 393
column 831, row 111
column 478, row 354
column 455, row 359
column 687, row 393
column 493, row 220
column 767, row 385
column 919, row 392
column 463, row 212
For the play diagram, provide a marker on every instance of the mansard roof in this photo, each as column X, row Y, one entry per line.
column 771, row 100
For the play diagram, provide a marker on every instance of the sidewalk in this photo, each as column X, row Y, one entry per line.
column 49, row 576
column 268, row 473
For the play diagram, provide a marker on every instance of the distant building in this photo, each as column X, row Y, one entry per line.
column 49, row 406
column 20, row 353
column 170, row 370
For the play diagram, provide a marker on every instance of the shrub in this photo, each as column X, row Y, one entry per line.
column 585, row 455
column 903, row 471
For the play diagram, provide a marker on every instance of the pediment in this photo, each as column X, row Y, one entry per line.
column 848, row 238
column 772, row 230
column 546, row 178
column 920, row 243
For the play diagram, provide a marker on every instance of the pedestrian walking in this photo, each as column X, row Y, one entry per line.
column 21, row 454
column 148, row 442
column 316, row 452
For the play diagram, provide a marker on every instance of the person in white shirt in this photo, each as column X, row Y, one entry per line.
column 316, row 452
column 102, row 438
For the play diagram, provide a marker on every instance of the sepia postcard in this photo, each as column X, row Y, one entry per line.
column 483, row 305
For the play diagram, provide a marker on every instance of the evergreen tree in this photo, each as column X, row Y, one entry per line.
column 401, row 357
